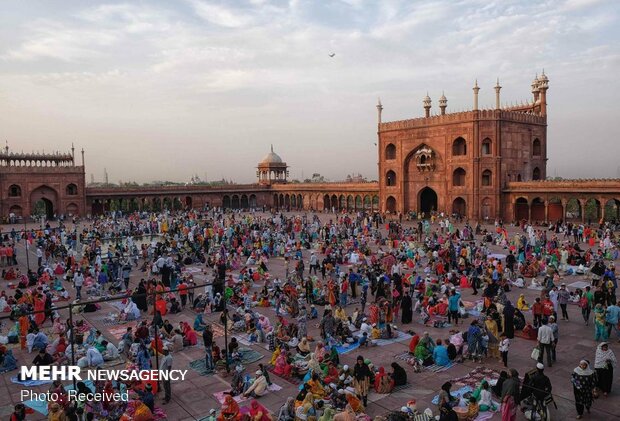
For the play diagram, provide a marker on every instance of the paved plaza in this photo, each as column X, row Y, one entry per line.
column 193, row 398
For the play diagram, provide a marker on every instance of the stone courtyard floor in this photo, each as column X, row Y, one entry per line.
column 193, row 398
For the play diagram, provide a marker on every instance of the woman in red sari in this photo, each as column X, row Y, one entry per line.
column 374, row 314
column 39, row 308
column 258, row 412
column 230, row 410
column 331, row 297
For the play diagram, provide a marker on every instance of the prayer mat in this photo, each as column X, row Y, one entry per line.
column 115, row 322
column 344, row 348
column 30, row 383
column 118, row 305
column 119, row 330
column 438, row 368
column 113, row 363
column 292, row 380
column 455, row 393
column 474, row 377
column 580, row 284
column 401, row 336
column 374, row 396
column 249, row 356
column 406, row 357
column 200, row 367
column 220, row 396
column 41, row 405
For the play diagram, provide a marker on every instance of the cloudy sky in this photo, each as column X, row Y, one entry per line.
column 167, row 89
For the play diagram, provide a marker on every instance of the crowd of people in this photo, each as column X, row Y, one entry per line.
column 360, row 278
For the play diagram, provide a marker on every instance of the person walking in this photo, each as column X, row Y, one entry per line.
column 563, row 298
column 165, row 365
column 545, row 341
column 586, row 302
column 556, row 336
column 604, row 364
column 78, row 281
column 584, row 381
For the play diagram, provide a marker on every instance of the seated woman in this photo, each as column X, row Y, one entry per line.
column 484, row 399
column 230, row 410
column 398, row 374
column 353, row 401
column 304, row 347
column 282, row 367
column 472, row 409
column 199, row 324
column 424, row 355
column 316, row 387
column 319, row 351
column 414, row 343
column 258, row 412
column 383, row 382
column 522, row 304
column 440, row 354
column 8, row 362
column 190, row 338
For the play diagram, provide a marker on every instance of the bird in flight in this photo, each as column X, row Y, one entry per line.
column 332, row 54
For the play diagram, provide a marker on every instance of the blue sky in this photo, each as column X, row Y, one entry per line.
column 167, row 89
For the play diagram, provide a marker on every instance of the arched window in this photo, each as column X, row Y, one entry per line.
column 390, row 178
column 458, row 177
column 15, row 190
column 390, row 151
column 536, row 174
column 486, row 178
column 536, row 147
column 486, row 146
column 459, row 147
column 72, row 189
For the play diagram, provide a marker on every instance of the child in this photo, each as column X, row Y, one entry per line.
column 504, row 344
column 472, row 409
column 364, row 339
column 314, row 314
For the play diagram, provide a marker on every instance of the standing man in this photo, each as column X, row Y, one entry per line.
column 78, row 281
column 39, row 256
column 545, row 341
column 563, row 298
column 207, row 339
column 586, row 303
column 166, row 365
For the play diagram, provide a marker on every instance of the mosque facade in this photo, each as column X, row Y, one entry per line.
column 482, row 164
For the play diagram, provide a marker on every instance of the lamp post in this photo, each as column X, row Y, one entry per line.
column 224, row 320
column 26, row 244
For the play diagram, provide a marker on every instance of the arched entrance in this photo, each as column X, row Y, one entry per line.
column 459, row 206
column 43, row 207
column 43, row 202
column 427, row 200
column 522, row 209
column 390, row 204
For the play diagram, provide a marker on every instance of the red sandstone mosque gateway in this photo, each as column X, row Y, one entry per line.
column 481, row 164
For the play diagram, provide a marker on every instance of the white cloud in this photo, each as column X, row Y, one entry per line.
column 144, row 73
column 220, row 15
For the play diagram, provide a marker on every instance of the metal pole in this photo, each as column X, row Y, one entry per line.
column 225, row 314
column 72, row 341
column 27, row 248
column 156, row 338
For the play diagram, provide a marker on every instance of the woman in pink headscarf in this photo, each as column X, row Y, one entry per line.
column 258, row 412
